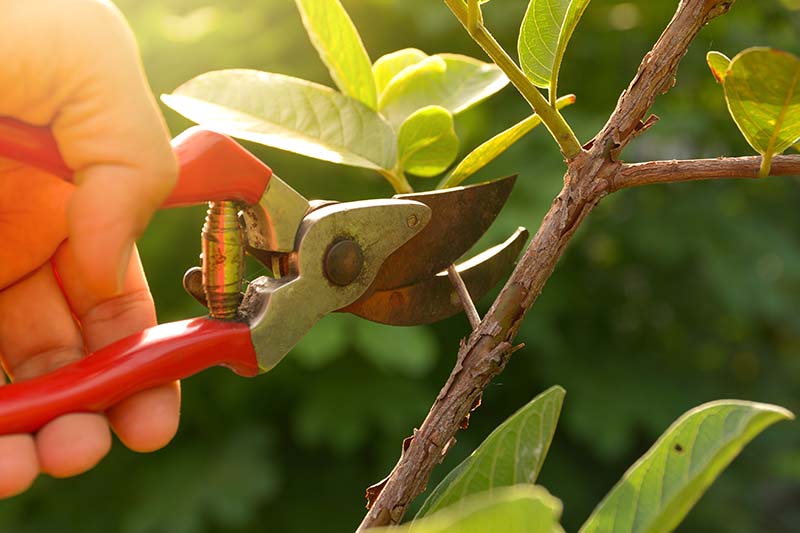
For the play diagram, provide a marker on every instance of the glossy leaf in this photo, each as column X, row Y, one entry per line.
column 452, row 81
column 718, row 63
column 390, row 65
column 546, row 30
column 513, row 453
column 427, row 142
column 336, row 39
column 517, row 509
column 657, row 492
column 489, row 150
column 290, row 114
column 762, row 88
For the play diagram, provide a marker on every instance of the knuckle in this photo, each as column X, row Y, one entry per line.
column 134, row 309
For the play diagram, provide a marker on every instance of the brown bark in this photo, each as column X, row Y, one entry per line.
column 594, row 173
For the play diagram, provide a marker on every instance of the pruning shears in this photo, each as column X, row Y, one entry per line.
column 382, row 259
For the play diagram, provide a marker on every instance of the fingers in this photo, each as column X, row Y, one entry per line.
column 107, row 124
column 148, row 420
column 33, row 222
column 18, row 464
column 68, row 445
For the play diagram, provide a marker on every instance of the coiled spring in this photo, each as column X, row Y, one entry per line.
column 223, row 259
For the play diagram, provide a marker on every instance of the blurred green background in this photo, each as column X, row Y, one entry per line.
column 669, row 296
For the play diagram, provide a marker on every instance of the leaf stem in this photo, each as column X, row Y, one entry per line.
column 766, row 163
column 552, row 91
column 397, row 179
column 552, row 119
column 474, row 16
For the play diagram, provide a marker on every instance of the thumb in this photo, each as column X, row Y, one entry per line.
column 106, row 214
column 111, row 132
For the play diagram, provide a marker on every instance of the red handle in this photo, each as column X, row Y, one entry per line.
column 155, row 356
column 213, row 166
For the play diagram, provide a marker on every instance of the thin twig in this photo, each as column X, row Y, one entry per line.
column 591, row 175
column 464, row 296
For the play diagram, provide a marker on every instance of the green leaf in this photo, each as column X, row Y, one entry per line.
column 718, row 63
column 288, row 113
column 427, row 142
column 452, row 81
column 489, row 150
column 336, row 39
column 388, row 66
column 657, row 492
column 763, row 97
column 543, row 37
column 513, row 453
column 518, row 509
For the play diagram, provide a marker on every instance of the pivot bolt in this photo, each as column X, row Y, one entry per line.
column 343, row 262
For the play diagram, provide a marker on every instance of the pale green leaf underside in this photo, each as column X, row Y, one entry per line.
column 763, row 94
column 513, row 453
column 427, row 142
column 452, row 81
column 718, row 63
column 290, row 114
column 336, row 39
column 491, row 149
column 389, row 65
column 657, row 492
column 517, row 509
column 543, row 37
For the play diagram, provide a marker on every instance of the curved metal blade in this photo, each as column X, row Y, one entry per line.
column 460, row 216
column 435, row 298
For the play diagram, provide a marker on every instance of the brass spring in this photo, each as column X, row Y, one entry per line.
column 223, row 259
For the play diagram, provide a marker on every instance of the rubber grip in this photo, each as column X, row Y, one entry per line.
column 213, row 167
column 155, row 356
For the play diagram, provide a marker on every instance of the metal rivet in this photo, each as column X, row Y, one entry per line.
column 343, row 262
column 412, row 221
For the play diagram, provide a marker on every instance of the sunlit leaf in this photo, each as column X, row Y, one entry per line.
column 388, row 66
column 452, row 81
column 546, row 29
column 517, row 509
column 336, row 39
column 763, row 97
column 427, row 142
column 665, row 483
column 718, row 63
column 290, row 114
column 489, row 150
column 513, row 453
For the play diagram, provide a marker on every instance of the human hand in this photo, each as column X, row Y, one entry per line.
column 70, row 280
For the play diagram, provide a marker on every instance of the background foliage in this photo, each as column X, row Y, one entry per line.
column 670, row 296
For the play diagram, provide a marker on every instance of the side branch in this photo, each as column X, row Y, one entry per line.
column 635, row 174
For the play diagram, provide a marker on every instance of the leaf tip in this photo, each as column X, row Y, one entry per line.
column 719, row 64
